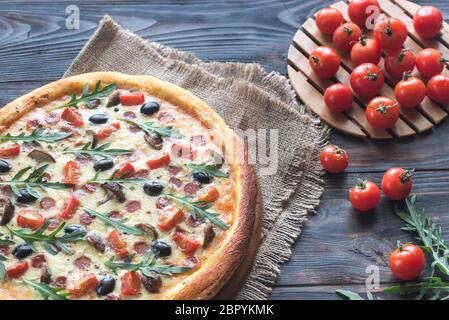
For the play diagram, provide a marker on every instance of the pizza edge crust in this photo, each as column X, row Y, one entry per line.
column 219, row 267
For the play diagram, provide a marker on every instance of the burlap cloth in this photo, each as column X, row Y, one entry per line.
column 247, row 98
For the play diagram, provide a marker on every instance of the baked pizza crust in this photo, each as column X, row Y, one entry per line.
column 220, row 266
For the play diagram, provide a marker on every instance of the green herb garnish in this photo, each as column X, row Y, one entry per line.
column 102, row 151
column 146, row 266
column 199, row 208
column 354, row 295
column 150, row 127
column 87, row 97
column 50, row 241
column 32, row 181
column 120, row 180
column 210, row 170
column 116, row 223
column 37, row 135
column 2, row 267
column 47, row 291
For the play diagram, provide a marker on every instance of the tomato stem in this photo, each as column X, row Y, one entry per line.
column 406, row 175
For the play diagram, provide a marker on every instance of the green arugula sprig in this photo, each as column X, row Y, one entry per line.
column 150, row 127
column 47, row 291
column 32, row 181
column 434, row 286
column 146, row 266
column 354, row 295
column 115, row 223
column 199, row 208
column 86, row 96
column 101, row 150
column 120, row 180
column 210, row 170
column 51, row 242
column 37, row 134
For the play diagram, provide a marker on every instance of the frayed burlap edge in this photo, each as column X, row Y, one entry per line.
column 287, row 211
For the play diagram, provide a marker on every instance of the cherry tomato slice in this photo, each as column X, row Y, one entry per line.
column 132, row 98
column 170, row 216
column 17, row 270
column 127, row 170
column 117, row 243
column 131, row 284
column 208, row 194
column 10, row 151
column 187, row 243
column 82, row 286
column 30, row 218
column 108, row 131
column 73, row 117
column 71, row 172
column 159, row 161
column 397, row 183
column 70, row 208
column 407, row 261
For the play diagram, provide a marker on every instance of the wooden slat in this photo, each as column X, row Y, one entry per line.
column 356, row 113
column 430, row 109
column 401, row 129
column 410, row 8
column 314, row 100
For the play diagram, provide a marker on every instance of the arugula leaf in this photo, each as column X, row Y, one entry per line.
column 433, row 285
column 47, row 291
column 349, row 294
column 102, row 150
column 116, row 223
column 210, row 170
column 120, row 180
column 199, row 208
column 150, row 127
column 49, row 241
column 86, row 96
column 37, row 135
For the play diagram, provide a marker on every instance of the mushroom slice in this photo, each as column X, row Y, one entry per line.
column 94, row 138
column 209, row 234
column 116, row 190
column 6, row 211
column 96, row 241
column 41, row 156
column 154, row 140
column 114, row 99
column 148, row 229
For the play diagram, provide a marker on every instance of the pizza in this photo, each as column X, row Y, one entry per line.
column 120, row 187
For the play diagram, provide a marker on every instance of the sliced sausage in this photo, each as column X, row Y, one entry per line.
column 133, row 206
column 47, row 203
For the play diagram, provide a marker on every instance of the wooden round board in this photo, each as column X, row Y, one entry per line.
column 232, row 287
column 310, row 89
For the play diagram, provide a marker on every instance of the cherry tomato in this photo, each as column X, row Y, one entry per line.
column 407, row 261
column 366, row 50
column 429, row 62
column 382, row 112
column 17, row 270
column 397, row 183
column 390, row 33
column 325, row 62
column 209, row 194
column 71, row 172
column 398, row 62
column 70, row 208
column 360, row 10
column 428, row 22
column 159, row 161
column 30, row 218
column 367, row 80
column 333, row 159
column 365, row 195
column 84, row 285
column 73, row 117
column 10, row 151
column 410, row 91
column 132, row 98
column 131, row 284
column 186, row 242
column 108, row 130
column 116, row 243
column 170, row 217
column 338, row 97
column 328, row 19
column 127, row 170
column 345, row 36
column 438, row 88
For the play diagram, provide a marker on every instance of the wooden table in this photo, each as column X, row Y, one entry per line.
column 337, row 244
